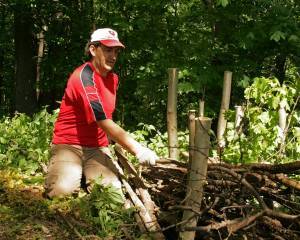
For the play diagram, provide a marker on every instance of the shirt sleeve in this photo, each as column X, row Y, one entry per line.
column 92, row 104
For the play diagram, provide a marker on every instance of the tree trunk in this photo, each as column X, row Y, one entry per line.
column 282, row 125
column 196, row 176
column 280, row 64
column 2, row 96
column 40, row 56
column 172, row 113
column 201, row 108
column 192, row 124
column 26, row 101
column 3, row 105
column 224, row 107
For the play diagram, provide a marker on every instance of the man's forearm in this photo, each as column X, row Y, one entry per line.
column 119, row 135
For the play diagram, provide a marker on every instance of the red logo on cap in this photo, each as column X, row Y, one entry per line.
column 112, row 33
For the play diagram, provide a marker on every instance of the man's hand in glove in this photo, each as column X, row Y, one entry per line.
column 146, row 156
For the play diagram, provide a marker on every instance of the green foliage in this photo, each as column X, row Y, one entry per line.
column 262, row 138
column 200, row 38
column 154, row 139
column 25, row 140
column 104, row 208
column 223, row 3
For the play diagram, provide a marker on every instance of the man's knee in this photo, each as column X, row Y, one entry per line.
column 63, row 183
column 61, row 189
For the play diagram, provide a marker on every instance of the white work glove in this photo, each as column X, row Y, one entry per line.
column 146, row 156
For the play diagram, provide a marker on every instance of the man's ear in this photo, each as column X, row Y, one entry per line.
column 92, row 50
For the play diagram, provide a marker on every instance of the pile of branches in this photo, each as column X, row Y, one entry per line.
column 255, row 201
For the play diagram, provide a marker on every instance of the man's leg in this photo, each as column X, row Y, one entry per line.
column 64, row 171
column 98, row 163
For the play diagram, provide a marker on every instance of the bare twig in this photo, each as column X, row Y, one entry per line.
column 71, row 225
column 232, row 225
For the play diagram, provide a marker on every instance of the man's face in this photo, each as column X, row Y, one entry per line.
column 105, row 58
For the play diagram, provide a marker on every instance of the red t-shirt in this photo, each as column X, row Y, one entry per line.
column 88, row 98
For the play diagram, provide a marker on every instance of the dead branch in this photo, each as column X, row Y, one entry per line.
column 140, row 224
column 277, row 168
column 232, row 185
column 71, row 226
column 145, row 207
column 286, row 181
column 275, row 196
column 232, row 225
column 246, row 184
column 235, row 226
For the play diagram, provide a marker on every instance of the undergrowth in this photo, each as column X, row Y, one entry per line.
column 24, row 153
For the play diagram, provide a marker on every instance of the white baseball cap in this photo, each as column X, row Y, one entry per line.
column 107, row 37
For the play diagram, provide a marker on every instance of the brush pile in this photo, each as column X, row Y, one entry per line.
column 255, row 201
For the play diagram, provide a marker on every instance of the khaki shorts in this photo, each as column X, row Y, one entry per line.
column 69, row 162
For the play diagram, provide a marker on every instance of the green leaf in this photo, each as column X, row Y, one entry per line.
column 293, row 38
column 223, row 3
column 3, row 140
column 275, row 102
column 185, row 87
column 296, row 132
column 276, row 36
column 244, row 82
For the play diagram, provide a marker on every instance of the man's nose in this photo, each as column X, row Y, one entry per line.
column 114, row 54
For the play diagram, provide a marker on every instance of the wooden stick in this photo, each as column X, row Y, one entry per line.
column 201, row 108
column 224, row 107
column 142, row 228
column 286, row 181
column 172, row 113
column 278, row 168
column 146, row 206
column 197, row 174
column 150, row 224
column 246, row 184
column 282, row 125
column 192, row 115
column 126, row 164
column 239, row 114
column 70, row 225
column 232, row 225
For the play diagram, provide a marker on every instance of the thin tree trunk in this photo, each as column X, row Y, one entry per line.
column 224, row 107
column 239, row 115
column 192, row 116
column 26, row 101
column 172, row 113
column 197, row 176
column 201, row 108
column 280, row 64
column 2, row 94
column 39, row 61
column 282, row 125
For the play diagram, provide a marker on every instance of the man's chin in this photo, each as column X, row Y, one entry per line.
column 109, row 67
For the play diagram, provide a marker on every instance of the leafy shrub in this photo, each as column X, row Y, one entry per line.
column 24, row 140
column 104, row 208
column 149, row 136
column 261, row 138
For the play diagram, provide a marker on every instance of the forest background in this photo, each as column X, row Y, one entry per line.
column 41, row 42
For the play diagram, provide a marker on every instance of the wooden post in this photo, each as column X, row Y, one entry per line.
column 40, row 54
column 201, row 108
column 239, row 114
column 172, row 113
column 282, row 116
column 224, row 107
column 192, row 116
column 282, row 125
column 197, row 175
